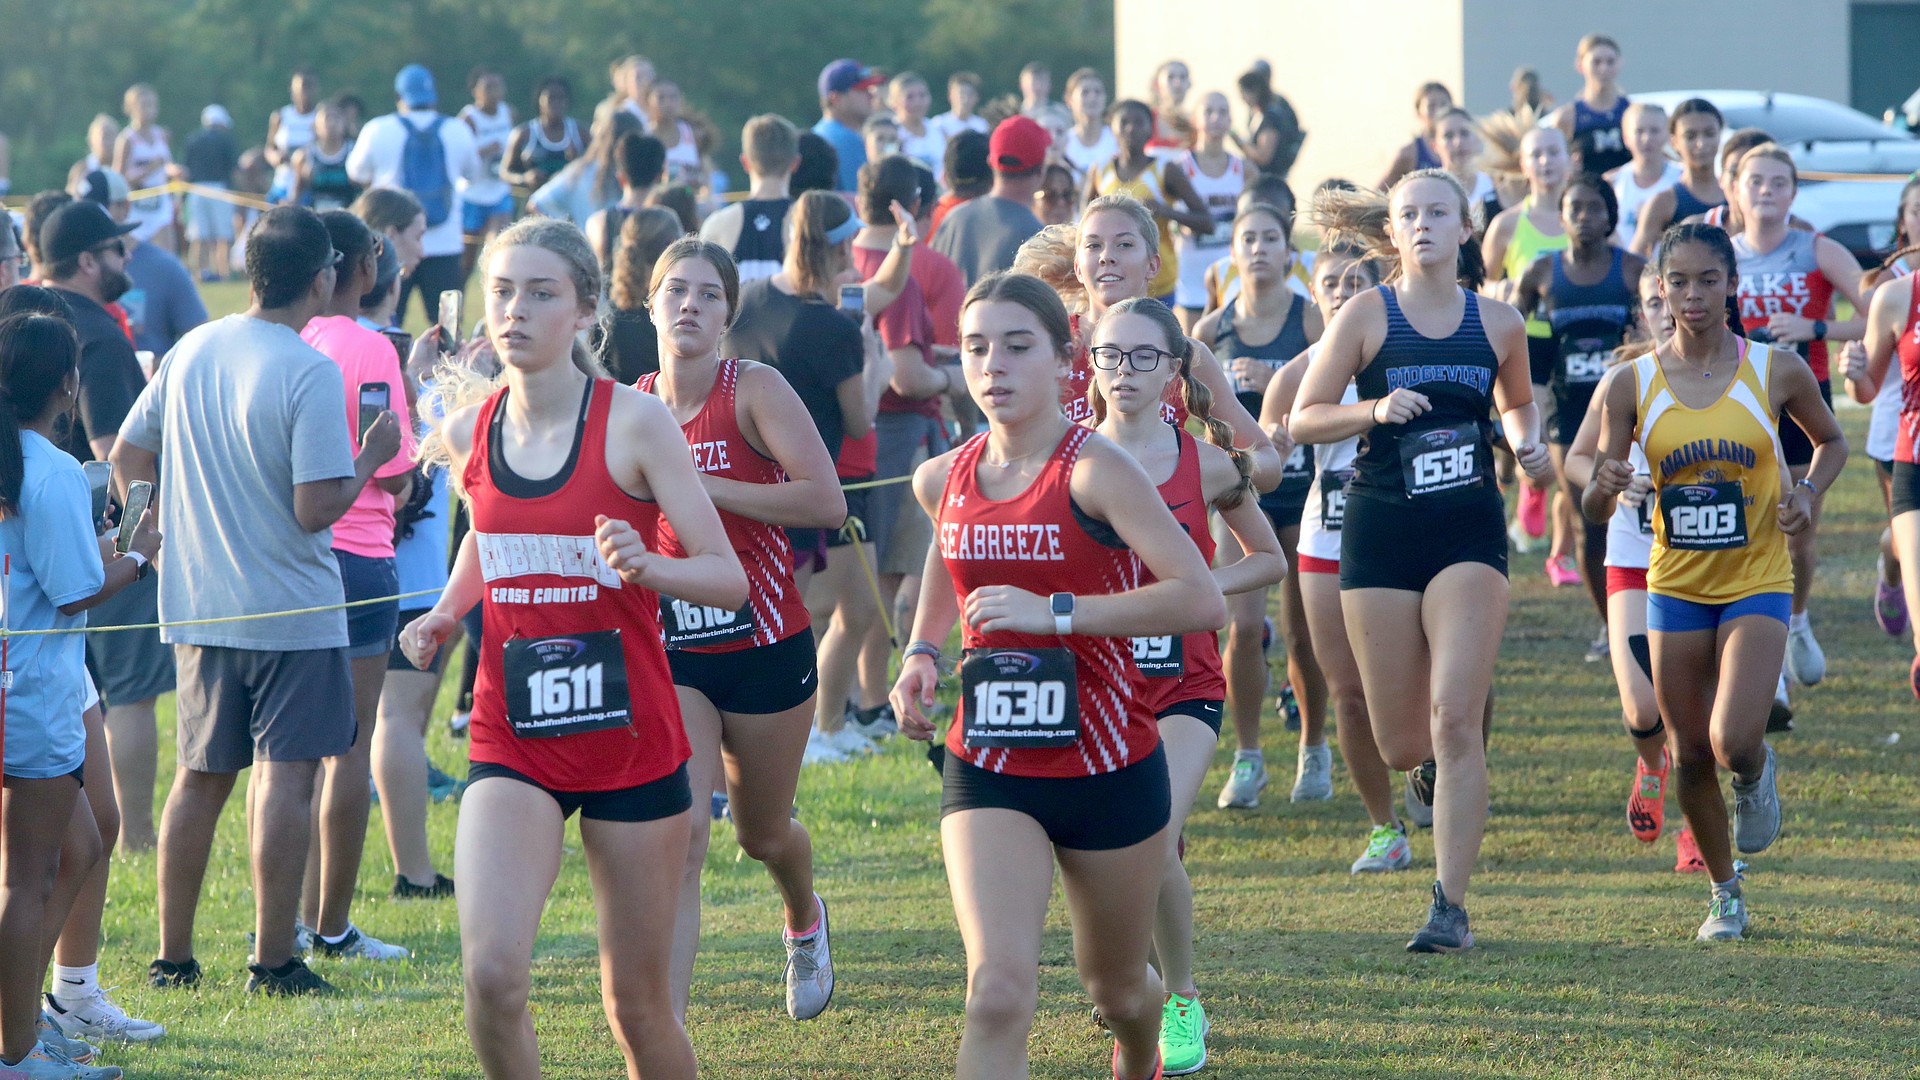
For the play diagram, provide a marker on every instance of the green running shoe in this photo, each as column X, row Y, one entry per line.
column 1183, row 1036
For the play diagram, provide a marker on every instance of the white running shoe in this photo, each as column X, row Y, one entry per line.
column 1244, row 784
column 97, row 1017
column 809, row 972
column 850, row 743
column 1313, row 781
column 820, row 750
column 1726, row 917
column 1806, row 661
column 1387, row 850
column 875, row 724
column 358, row 946
column 1522, row 542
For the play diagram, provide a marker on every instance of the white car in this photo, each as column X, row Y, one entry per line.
column 1869, row 161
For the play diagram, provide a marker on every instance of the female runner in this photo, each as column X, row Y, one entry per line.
column 1218, row 175
column 1429, row 102
column 1161, row 189
column 1044, row 528
column 538, row 149
column 1090, row 144
column 1703, row 409
column 1173, row 130
column 1694, row 129
column 1889, row 600
column 571, row 710
column 1116, row 246
column 1514, row 239
column 1257, row 331
column 1629, row 550
column 1423, row 555
column 1591, row 121
column 1185, row 688
column 745, row 672
column 1788, row 280
column 1340, row 274
column 1586, row 296
column 1893, row 329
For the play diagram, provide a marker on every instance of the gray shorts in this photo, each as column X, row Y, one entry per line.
column 897, row 526
column 130, row 665
column 237, row 706
column 209, row 220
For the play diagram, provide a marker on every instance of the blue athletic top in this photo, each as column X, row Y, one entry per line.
column 1686, row 204
column 1588, row 321
column 1597, row 136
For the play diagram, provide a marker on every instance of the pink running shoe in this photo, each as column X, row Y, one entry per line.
column 1562, row 572
column 1890, row 608
column 1533, row 511
column 1688, row 860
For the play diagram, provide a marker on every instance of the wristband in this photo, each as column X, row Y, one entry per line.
column 1808, row 484
column 1373, row 411
column 922, row 648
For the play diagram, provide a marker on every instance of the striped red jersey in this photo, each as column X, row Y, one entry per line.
column 1039, row 541
column 1199, row 674
column 547, row 584
column 1906, row 445
column 719, row 448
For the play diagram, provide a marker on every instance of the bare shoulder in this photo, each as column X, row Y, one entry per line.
column 1217, row 470
column 1500, row 318
column 637, row 412
column 457, row 428
column 1208, row 328
column 930, row 479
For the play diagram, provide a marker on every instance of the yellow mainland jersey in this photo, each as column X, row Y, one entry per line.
column 1718, row 475
column 1149, row 186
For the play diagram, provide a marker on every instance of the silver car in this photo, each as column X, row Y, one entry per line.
column 1852, row 166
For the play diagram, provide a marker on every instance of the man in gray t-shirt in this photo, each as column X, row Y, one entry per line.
column 245, row 420
column 982, row 235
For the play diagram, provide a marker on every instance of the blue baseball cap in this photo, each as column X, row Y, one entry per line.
column 414, row 86
column 844, row 75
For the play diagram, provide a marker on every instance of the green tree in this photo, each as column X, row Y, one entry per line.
column 69, row 59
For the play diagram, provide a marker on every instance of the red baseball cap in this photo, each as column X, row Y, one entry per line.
column 1018, row 145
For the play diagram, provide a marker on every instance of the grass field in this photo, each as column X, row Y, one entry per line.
column 1586, row 969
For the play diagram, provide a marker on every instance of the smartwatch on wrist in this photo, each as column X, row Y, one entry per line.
column 1819, row 329
column 1062, row 605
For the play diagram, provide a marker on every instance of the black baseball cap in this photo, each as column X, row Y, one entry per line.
column 78, row 226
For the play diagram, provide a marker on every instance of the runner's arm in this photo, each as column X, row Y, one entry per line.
column 810, row 497
column 1262, row 562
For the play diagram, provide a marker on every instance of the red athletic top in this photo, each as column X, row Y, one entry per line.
column 1078, row 404
column 1201, row 678
column 719, row 448
column 1038, row 541
column 1785, row 280
column 545, row 580
column 1908, row 433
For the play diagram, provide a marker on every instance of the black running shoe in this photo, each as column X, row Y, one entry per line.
column 1446, row 930
column 165, row 974
column 441, row 888
column 292, row 979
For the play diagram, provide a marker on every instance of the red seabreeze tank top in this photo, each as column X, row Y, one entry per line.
column 1043, row 705
column 1183, row 668
column 573, row 688
column 775, row 610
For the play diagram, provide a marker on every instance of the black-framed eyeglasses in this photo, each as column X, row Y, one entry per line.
column 1143, row 359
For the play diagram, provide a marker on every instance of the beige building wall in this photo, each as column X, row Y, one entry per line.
column 1350, row 68
column 1335, row 62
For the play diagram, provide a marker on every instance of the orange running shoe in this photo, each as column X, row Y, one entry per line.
column 1647, row 806
column 1688, row 860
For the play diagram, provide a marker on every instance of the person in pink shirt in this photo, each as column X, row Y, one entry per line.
column 363, row 544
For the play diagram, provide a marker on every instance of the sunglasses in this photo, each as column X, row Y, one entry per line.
column 118, row 247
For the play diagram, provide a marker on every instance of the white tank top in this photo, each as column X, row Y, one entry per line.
column 1883, row 424
column 1629, row 531
column 1632, row 196
column 1327, row 498
column 683, row 160
column 295, row 130
column 494, row 127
